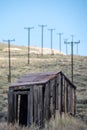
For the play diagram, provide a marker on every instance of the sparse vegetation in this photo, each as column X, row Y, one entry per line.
column 38, row 63
column 65, row 123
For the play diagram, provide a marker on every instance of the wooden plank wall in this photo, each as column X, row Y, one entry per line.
column 10, row 106
column 58, row 94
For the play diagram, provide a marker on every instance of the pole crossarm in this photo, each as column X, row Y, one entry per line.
column 65, row 42
column 42, row 25
column 77, row 42
column 28, row 27
column 9, row 40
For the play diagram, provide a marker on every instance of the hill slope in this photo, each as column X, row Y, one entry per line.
column 43, row 63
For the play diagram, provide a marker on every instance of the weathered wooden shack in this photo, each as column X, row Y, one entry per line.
column 35, row 98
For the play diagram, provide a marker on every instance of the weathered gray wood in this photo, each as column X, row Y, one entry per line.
column 40, row 107
column 47, row 101
column 61, row 96
column 15, row 107
column 42, row 99
column 48, row 97
column 31, row 104
column 51, row 97
column 30, row 107
column 11, row 107
column 75, row 101
column 72, row 101
column 67, row 80
column 57, row 85
column 36, row 100
column 63, row 89
column 20, row 92
column 54, row 97
column 44, row 102
column 43, row 92
column 69, row 95
column 65, row 97
column 29, row 110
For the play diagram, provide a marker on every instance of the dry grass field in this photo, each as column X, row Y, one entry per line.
column 65, row 123
column 43, row 63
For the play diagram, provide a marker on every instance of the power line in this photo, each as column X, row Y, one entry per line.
column 42, row 29
column 51, row 32
column 29, row 28
column 9, row 59
column 77, row 45
column 65, row 42
column 60, row 34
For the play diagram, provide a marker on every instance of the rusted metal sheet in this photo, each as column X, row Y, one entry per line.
column 31, row 79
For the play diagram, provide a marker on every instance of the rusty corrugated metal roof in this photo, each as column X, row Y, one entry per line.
column 34, row 78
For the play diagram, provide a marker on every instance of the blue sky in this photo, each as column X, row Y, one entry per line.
column 66, row 16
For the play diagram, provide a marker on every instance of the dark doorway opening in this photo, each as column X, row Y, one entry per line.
column 23, row 109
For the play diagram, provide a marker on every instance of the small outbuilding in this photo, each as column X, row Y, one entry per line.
column 36, row 97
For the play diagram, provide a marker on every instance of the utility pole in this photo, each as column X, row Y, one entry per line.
column 72, row 58
column 51, row 32
column 9, row 59
column 65, row 42
column 60, row 34
column 42, row 28
column 72, row 42
column 29, row 28
column 77, row 45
